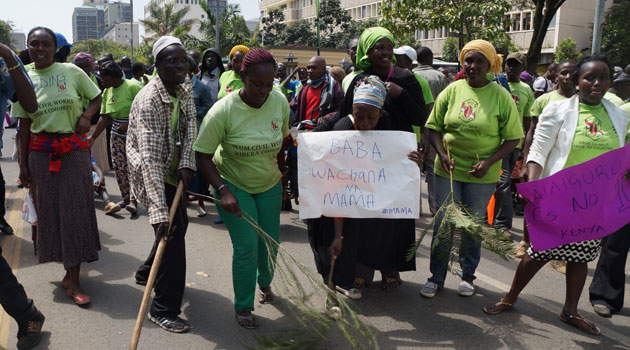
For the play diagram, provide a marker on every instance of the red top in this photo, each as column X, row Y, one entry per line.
column 313, row 96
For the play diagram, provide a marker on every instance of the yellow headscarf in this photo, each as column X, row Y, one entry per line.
column 486, row 49
column 242, row 48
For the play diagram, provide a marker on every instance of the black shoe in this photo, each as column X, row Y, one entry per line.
column 5, row 228
column 30, row 332
column 170, row 323
column 141, row 280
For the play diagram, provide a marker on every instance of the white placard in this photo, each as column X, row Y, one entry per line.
column 358, row 174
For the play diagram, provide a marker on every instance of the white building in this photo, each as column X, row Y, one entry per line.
column 195, row 12
column 18, row 40
column 120, row 33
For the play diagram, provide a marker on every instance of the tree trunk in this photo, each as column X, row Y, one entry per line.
column 543, row 14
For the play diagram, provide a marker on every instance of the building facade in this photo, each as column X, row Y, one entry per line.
column 117, row 12
column 121, row 33
column 88, row 22
column 18, row 40
column 574, row 20
column 195, row 11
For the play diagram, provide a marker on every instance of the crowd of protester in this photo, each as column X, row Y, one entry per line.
column 188, row 119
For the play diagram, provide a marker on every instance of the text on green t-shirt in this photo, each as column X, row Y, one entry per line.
column 117, row 100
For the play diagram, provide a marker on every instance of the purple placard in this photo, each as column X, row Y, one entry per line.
column 587, row 201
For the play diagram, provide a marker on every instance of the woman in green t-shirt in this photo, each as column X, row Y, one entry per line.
column 570, row 132
column 236, row 151
column 117, row 98
column 55, row 161
column 230, row 81
column 481, row 125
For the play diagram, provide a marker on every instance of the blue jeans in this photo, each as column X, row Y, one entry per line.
column 475, row 197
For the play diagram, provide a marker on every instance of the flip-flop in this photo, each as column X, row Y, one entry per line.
column 265, row 297
column 247, row 322
column 79, row 299
column 498, row 307
column 111, row 208
column 580, row 323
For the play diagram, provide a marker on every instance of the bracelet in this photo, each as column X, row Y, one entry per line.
column 221, row 186
column 14, row 67
column 83, row 115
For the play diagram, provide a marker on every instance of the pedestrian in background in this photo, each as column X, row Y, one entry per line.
column 230, row 81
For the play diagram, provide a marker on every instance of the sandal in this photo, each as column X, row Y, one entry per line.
column 359, row 284
column 498, row 307
column 246, row 321
column 266, row 295
column 390, row 284
column 111, row 208
column 580, row 323
column 352, row 293
column 79, row 299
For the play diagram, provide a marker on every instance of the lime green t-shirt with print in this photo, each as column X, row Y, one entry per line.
column 616, row 100
column 475, row 122
column 626, row 108
column 594, row 136
column 171, row 173
column 117, row 100
column 524, row 99
column 543, row 100
column 245, row 140
column 60, row 89
column 428, row 99
column 347, row 80
column 229, row 82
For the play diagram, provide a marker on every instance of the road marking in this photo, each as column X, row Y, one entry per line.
column 607, row 332
column 11, row 246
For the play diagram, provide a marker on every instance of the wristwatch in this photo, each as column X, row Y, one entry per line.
column 221, row 187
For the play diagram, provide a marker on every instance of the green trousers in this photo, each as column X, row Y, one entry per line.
column 251, row 258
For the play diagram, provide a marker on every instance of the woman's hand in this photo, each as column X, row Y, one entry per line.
column 335, row 247
column 25, row 176
column 415, row 157
column 480, row 169
column 447, row 164
column 83, row 126
column 122, row 128
column 229, row 202
column 90, row 141
column 393, row 90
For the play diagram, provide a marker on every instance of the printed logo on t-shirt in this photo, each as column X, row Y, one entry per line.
column 275, row 126
column 468, row 110
column 594, row 128
column 516, row 99
column 114, row 99
column 62, row 87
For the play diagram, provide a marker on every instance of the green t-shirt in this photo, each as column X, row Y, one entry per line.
column 245, row 140
column 229, row 82
column 345, row 83
column 616, row 100
column 117, row 100
column 428, row 99
column 626, row 108
column 171, row 173
column 524, row 99
column 543, row 100
column 475, row 122
column 594, row 136
column 60, row 89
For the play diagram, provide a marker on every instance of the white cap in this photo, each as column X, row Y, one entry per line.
column 406, row 50
column 162, row 43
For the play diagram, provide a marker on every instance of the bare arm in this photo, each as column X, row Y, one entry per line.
column 481, row 169
column 23, row 88
column 211, row 174
column 25, row 139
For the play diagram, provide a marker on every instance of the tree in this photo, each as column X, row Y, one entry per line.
column 544, row 11
column 450, row 50
column 566, row 50
column 5, row 33
column 273, row 28
column 615, row 33
column 98, row 47
column 466, row 20
column 166, row 21
column 298, row 33
column 232, row 29
column 354, row 31
column 333, row 22
column 504, row 44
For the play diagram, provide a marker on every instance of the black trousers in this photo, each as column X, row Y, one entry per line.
column 2, row 193
column 609, row 279
column 12, row 295
column 171, row 277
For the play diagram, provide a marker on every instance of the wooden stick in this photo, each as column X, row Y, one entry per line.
column 154, row 269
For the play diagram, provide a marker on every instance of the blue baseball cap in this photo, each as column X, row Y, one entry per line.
column 61, row 41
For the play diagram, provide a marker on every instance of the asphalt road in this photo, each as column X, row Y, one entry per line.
column 400, row 320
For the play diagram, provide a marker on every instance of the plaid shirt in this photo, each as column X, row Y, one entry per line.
column 150, row 144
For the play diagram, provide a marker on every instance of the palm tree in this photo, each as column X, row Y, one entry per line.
column 166, row 21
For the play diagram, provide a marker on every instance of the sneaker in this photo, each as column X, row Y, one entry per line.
column 30, row 332
column 218, row 221
column 602, row 310
column 201, row 212
column 170, row 323
column 5, row 228
column 429, row 289
column 506, row 233
column 352, row 293
column 466, row 289
column 521, row 249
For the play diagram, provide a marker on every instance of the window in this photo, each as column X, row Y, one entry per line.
column 516, row 22
column 202, row 17
column 363, row 11
column 426, row 34
column 506, row 23
column 527, row 21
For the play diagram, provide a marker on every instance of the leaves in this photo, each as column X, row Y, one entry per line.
column 97, row 47
column 566, row 50
column 450, row 50
column 615, row 33
column 5, row 33
column 165, row 21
